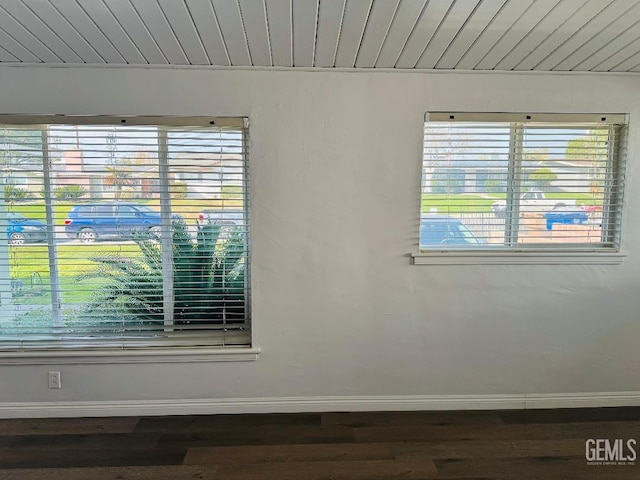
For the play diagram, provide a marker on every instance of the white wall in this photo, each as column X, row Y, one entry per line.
column 338, row 308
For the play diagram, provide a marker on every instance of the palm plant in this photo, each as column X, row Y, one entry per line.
column 208, row 279
column 119, row 178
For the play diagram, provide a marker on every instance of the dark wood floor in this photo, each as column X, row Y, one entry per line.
column 533, row 444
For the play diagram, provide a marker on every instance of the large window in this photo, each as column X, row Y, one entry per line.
column 123, row 233
column 514, row 182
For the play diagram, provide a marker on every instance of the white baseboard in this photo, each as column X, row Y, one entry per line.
column 316, row 404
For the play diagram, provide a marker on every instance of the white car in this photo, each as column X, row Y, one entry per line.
column 532, row 202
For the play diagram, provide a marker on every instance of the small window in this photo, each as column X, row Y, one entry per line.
column 85, row 211
column 125, row 211
column 510, row 182
column 103, row 211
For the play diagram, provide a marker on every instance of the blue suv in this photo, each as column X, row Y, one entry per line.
column 93, row 221
column 442, row 230
column 21, row 229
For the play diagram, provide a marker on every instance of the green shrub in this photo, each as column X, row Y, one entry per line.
column 542, row 178
column 16, row 194
column 69, row 192
column 179, row 190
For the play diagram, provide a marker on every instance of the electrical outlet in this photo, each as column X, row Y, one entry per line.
column 55, row 380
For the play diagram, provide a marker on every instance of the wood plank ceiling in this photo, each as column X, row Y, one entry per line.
column 540, row 35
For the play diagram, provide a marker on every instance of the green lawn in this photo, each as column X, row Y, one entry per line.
column 32, row 261
column 461, row 203
column 473, row 203
column 580, row 198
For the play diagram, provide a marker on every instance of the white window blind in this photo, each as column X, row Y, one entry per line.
column 123, row 233
column 522, row 181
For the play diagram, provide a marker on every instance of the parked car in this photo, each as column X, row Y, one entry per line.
column 221, row 217
column 532, row 202
column 227, row 219
column 93, row 221
column 439, row 230
column 592, row 209
column 565, row 215
column 21, row 229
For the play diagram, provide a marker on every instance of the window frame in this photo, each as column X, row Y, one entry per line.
column 146, row 353
column 552, row 254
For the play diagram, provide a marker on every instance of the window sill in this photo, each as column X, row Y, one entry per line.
column 518, row 258
column 173, row 355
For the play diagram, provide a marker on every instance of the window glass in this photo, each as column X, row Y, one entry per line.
column 108, row 245
column 547, row 184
